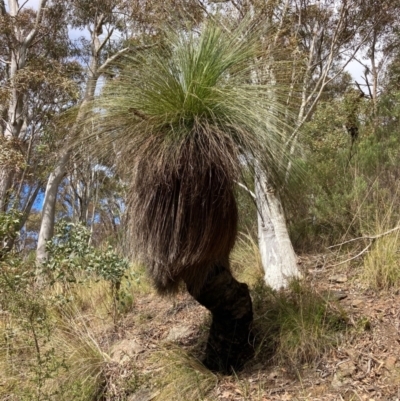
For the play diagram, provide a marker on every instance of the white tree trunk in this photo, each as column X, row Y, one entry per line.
column 278, row 258
column 49, row 207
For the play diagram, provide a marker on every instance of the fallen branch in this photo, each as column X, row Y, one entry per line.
column 368, row 237
column 353, row 257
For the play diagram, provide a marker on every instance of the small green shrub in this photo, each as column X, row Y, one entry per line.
column 27, row 357
column 70, row 254
column 71, row 259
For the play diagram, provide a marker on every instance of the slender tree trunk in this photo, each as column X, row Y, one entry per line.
column 277, row 255
column 50, row 199
column 229, row 343
column 5, row 186
column 49, row 203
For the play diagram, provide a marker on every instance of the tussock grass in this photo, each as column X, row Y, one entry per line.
column 54, row 343
column 296, row 326
column 381, row 269
column 92, row 295
column 84, row 325
column 136, row 281
column 246, row 261
column 292, row 327
column 25, row 329
column 84, row 358
column 181, row 377
column 51, row 353
column 98, row 298
column 9, row 366
column 382, row 264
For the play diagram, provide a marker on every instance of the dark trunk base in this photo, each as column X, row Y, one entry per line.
column 229, row 342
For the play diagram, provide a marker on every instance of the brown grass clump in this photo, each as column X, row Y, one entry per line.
column 296, row 326
column 182, row 377
column 381, row 265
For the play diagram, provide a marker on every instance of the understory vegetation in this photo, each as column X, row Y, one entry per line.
column 59, row 326
column 58, row 338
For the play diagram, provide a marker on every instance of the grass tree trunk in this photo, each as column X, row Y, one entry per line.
column 277, row 255
column 229, row 343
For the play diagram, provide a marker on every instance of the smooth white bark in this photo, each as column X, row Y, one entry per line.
column 49, row 207
column 277, row 255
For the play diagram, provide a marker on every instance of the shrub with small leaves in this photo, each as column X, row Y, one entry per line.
column 9, row 226
column 70, row 255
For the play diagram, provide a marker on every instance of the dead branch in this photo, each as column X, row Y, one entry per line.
column 353, row 257
column 367, row 237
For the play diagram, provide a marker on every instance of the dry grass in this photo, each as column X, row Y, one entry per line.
column 55, row 354
column 61, row 353
column 246, row 261
column 293, row 327
column 296, row 326
column 181, row 376
column 83, row 356
column 381, row 265
column 84, row 331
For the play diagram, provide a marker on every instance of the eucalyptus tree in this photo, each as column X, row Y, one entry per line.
column 318, row 44
column 102, row 20
column 381, row 20
column 18, row 31
column 113, row 28
column 38, row 81
column 184, row 120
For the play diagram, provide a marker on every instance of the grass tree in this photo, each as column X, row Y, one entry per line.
column 184, row 119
